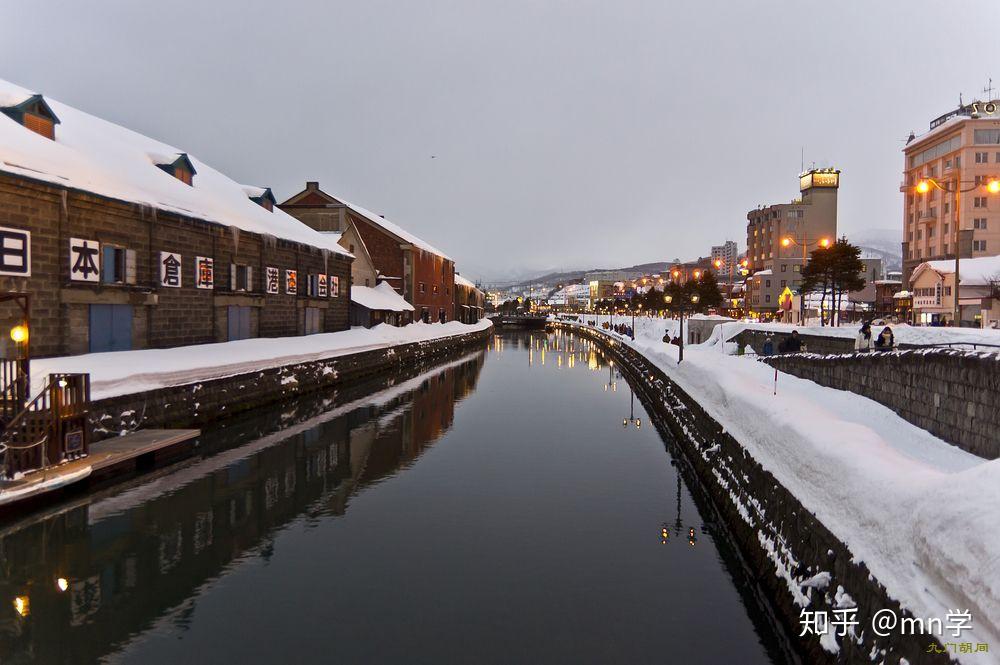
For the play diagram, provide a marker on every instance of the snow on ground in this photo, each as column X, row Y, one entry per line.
column 124, row 372
column 920, row 513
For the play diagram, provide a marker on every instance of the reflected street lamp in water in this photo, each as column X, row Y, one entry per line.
column 631, row 412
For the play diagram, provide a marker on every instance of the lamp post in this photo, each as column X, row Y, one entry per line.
column 805, row 243
column 681, row 308
column 954, row 186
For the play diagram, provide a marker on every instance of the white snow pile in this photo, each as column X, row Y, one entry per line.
column 123, row 372
column 101, row 157
column 920, row 513
column 380, row 297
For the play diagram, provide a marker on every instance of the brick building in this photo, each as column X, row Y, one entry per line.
column 422, row 274
column 123, row 242
column 470, row 302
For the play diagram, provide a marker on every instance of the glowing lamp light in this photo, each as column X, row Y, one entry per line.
column 825, row 242
column 785, row 242
column 993, row 186
column 624, row 422
column 718, row 263
column 923, row 186
column 695, row 298
column 19, row 333
column 697, row 274
column 676, row 274
column 22, row 605
column 62, row 584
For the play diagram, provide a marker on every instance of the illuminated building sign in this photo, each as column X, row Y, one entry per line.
column 829, row 179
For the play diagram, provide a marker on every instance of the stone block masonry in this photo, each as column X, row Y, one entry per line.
column 62, row 309
column 953, row 394
column 200, row 403
column 797, row 562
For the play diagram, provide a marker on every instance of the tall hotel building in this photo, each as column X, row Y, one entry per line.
column 775, row 264
column 962, row 146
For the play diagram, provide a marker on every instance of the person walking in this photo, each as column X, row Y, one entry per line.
column 863, row 342
column 768, row 348
column 885, row 341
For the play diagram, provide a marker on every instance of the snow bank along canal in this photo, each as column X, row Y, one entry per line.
column 503, row 507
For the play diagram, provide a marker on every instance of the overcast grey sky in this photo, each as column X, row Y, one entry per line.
column 565, row 134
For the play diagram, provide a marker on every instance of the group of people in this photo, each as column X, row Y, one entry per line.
column 865, row 341
column 623, row 329
column 791, row 344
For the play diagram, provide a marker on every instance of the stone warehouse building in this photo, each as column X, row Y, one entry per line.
column 470, row 301
column 422, row 274
column 123, row 242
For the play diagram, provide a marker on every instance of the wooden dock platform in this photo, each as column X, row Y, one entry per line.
column 106, row 458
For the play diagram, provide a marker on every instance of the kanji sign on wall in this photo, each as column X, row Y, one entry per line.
column 15, row 252
column 84, row 260
column 322, row 285
column 273, row 276
column 291, row 282
column 170, row 269
column 204, row 272
column 334, row 286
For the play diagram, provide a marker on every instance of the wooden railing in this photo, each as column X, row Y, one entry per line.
column 14, row 387
column 51, row 428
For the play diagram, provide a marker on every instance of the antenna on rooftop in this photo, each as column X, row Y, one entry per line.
column 802, row 159
column 989, row 90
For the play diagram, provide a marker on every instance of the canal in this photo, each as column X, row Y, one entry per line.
column 512, row 505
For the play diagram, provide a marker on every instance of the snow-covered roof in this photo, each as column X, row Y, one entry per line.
column 901, row 294
column 395, row 230
column 380, row 297
column 763, row 272
column 978, row 271
column 103, row 158
column 461, row 281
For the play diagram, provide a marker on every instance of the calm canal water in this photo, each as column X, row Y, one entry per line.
column 490, row 510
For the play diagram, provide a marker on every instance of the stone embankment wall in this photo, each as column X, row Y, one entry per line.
column 951, row 393
column 798, row 563
column 754, row 339
column 196, row 404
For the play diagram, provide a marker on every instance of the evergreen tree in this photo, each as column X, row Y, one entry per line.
column 707, row 288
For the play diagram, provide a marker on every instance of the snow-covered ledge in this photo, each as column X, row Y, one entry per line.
column 124, row 372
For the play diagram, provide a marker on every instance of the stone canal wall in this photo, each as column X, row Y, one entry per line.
column 196, row 404
column 797, row 562
column 950, row 393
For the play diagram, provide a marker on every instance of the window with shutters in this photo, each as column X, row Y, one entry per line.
column 117, row 265
column 40, row 125
column 240, row 277
column 312, row 286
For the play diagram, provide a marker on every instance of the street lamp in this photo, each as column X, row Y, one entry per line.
column 954, row 186
column 681, row 309
column 729, row 264
column 805, row 243
column 639, row 306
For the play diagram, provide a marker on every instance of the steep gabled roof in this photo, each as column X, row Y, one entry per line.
column 313, row 195
column 103, row 158
column 29, row 103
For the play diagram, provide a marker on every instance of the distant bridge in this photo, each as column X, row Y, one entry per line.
column 519, row 320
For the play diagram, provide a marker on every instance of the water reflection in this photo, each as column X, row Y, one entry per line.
column 95, row 574
column 490, row 510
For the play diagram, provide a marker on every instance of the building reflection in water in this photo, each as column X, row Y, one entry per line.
column 80, row 582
